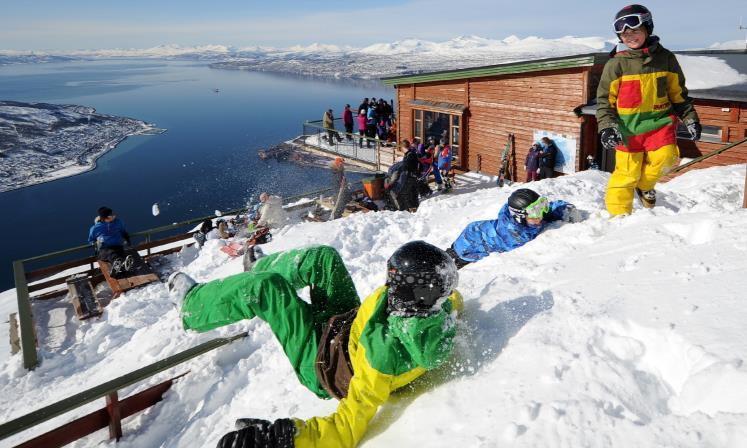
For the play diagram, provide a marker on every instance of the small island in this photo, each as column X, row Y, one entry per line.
column 40, row 142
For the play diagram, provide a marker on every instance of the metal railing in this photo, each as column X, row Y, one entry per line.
column 108, row 388
column 21, row 277
column 372, row 151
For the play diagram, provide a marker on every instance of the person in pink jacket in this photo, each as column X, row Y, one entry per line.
column 362, row 128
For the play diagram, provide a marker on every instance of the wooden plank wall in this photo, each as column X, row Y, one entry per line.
column 404, row 112
column 520, row 104
column 497, row 106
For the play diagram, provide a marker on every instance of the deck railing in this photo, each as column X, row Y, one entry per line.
column 23, row 277
column 372, row 151
column 115, row 410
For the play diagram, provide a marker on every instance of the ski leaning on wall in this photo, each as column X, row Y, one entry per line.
column 505, row 170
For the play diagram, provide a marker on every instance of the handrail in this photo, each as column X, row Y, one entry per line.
column 706, row 156
column 48, row 412
column 166, row 227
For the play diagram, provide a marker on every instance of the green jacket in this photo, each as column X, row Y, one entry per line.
column 642, row 91
column 387, row 352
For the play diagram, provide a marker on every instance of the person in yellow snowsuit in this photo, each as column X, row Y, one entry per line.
column 640, row 98
column 356, row 352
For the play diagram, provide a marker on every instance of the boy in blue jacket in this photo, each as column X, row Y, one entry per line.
column 524, row 216
column 108, row 236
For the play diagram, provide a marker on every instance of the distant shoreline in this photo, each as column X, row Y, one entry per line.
column 77, row 170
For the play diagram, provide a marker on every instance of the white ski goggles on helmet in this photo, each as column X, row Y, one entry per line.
column 538, row 209
column 632, row 21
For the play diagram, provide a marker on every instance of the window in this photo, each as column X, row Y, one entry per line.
column 438, row 125
column 713, row 134
column 418, row 128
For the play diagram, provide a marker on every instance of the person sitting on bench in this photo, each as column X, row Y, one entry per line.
column 108, row 236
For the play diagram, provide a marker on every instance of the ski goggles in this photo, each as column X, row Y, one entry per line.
column 632, row 21
column 538, row 209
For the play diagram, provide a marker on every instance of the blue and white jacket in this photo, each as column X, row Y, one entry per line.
column 480, row 238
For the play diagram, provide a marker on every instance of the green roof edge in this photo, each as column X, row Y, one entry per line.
column 501, row 69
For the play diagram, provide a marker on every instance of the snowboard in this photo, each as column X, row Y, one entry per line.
column 505, row 170
column 233, row 249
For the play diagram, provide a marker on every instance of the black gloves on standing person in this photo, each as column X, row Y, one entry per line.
column 258, row 433
column 694, row 128
column 610, row 137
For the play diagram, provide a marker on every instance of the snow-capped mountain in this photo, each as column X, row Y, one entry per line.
column 373, row 61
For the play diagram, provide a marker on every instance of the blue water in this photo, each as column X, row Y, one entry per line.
column 207, row 159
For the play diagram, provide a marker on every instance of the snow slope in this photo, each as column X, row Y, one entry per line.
column 610, row 332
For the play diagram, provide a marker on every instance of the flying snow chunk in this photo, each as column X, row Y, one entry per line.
column 156, row 211
column 218, row 213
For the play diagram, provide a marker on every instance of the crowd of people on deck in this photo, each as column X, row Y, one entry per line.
column 373, row 118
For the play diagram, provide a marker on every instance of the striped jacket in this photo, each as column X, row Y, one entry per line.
column 642, row 93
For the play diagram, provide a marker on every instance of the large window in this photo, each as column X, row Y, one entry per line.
column 438, row 125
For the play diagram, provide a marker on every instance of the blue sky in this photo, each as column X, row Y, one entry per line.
column 78, row 24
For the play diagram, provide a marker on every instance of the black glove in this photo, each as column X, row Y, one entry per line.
column 694, row 128
column 257, row 433
column 611, row 137
column 126, row 238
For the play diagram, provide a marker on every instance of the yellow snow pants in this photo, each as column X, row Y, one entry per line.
column 637, row 170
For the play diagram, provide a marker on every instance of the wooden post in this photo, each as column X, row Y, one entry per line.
column 15, row 339
column 115, row 419
column 26, row 320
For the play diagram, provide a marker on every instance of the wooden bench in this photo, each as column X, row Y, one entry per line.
column 120, row 285
column 83, row 297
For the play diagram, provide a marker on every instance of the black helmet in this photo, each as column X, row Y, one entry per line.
column 519, row 201
column 633, row 16
column 418, row 275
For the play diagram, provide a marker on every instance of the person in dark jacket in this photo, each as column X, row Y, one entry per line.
column 108, row 236
column 401, row 184
column 524, row 216
column 339, row 347
column 548, row 155
column 531, row 165
column 347, row 121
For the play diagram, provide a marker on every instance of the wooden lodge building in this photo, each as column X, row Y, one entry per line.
column 477, row 108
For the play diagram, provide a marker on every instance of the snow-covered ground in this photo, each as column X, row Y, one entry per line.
column 610, row 332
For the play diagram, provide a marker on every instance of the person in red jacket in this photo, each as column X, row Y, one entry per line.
column 347, row 121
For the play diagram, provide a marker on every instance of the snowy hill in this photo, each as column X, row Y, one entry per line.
column 610, row 332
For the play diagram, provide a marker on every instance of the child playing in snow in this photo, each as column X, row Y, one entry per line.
column 339, row 347
column 524, row 216
column 640, row 97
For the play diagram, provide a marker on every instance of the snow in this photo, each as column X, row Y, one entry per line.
column 730, row 45
column 620, row 332
column 704, row 72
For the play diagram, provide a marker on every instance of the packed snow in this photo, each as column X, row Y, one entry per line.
column 705, row 72
column 620, row 332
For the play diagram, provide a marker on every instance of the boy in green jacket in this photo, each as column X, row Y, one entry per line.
column 641, row 96
column 339, row 347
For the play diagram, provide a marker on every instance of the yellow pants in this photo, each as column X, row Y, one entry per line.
column 637, row 170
